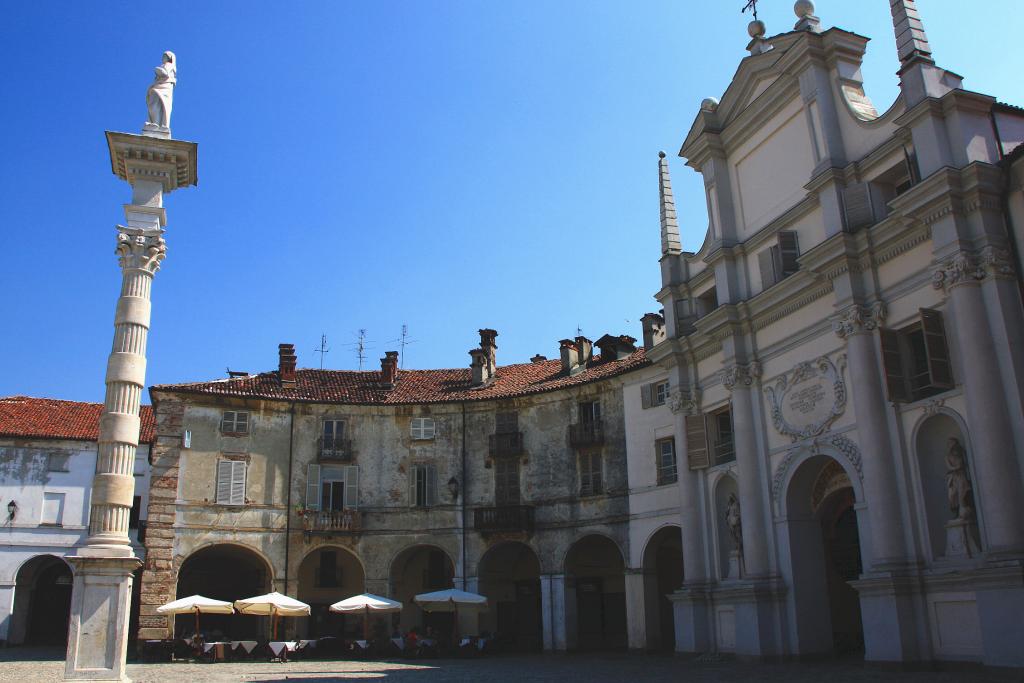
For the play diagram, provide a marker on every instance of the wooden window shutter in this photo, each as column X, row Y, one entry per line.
column 414, row 475
column 789, row 252
column 224, row 482
column 431, row 485
column 238, row 482
column 939, row 370
column 352, row 486
column 696, row 442
column 766, row 263
column 859, row 211
column 646, row 391
column 313, row 486
column 892, row 360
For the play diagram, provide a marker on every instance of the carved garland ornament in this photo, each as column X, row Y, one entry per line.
column 686, row 401
column 846, row 448
column 857, row 319
column 803, row 393
column 744, row 375
column 965, row 268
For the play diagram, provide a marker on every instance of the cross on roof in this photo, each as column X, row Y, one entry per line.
column 751, row 5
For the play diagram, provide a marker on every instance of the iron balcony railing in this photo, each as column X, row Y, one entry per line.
column 504, row 518
column 334, row 448
column 505, row 444
column 586, row 434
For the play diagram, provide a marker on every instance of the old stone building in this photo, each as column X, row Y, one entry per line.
column 844, row 353
column 510, row 481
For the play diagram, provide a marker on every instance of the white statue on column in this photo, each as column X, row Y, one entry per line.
column 160, row 96
column 960, row 531
column 734, row 521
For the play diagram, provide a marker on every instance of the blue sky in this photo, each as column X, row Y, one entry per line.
column 445, row 165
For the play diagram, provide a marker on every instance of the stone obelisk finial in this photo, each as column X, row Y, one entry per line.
column 911, row 41
column 920, row 78
column 153, row 164
column 670, row 243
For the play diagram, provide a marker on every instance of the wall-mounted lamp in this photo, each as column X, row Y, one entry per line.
column 12, row 511
column 453, row 488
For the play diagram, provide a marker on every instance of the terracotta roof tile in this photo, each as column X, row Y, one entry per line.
column 413, row 386
column 49, row 418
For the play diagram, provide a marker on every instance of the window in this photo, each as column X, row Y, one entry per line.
column 590, row 412
column 328, row 574
column 332, row 440
column 590, row 474
column 720, row 430
column 332, row 488
column 707, row 302
column 779, row 261
column 57, row 462
column 333, row 430
column 666, row 461
column 53, row 509
column 423, row 486
column 506, row 481
column 235, row 422
column 916, row 359
column 231, row 482
column 506, row 422
column 422, row 428
column 655, row 394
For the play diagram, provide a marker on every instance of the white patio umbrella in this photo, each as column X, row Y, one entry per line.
column 273, row 605
column 196, row 604
column 449, row 600
column 365, row 604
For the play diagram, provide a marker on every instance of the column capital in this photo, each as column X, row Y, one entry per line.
column 140, row 250
column 742, row 375
column 685, row 401
column 973, row 268
column 858, row 319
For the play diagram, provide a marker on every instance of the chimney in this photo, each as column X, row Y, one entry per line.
column 488, row 345
column 286, row 365
column 389, row 368
column 538, row 359
column 570, row 356
column 585, row 347
column 616, row 348
column 478, row 366
column 484, row 363
column 654, row 329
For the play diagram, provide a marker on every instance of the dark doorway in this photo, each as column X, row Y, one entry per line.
column 223, row 572
column 596, row 569
column 842, row 565
column 663, row 575
column 42, row 602
column 510, row 578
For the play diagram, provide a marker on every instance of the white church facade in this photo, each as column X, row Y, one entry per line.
column 845, row 359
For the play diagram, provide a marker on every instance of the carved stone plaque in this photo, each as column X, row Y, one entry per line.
column 806, row 400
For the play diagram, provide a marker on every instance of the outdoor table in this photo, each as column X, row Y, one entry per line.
column 281, row 648
column 247, row 645
column 218, row 649
column 399, row 643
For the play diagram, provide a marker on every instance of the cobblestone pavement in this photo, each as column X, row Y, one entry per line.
column 23, row 665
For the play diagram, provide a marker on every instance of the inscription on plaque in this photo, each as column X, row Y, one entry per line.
column 806, row 400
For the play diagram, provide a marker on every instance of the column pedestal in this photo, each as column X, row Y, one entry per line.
column 98, row 629
column 691, row 610
column 636, row 610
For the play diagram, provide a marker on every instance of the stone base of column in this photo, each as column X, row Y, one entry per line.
column 751, row 609
column 889, row 605
column 960, row 540
column 691, row 611
column 98, row 630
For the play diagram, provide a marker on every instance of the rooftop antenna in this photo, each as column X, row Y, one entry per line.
column 751, row 5
column 402, row 342
column 361, row 348
column 579, row 331
column 322, row 350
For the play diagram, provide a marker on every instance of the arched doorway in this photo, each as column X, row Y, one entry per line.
column 510, row 578
column 596, row 572
column 663, row 575
column 42, row 602
column 223, row 572
column 421, row 569
column 326, row 575
column 824, row 541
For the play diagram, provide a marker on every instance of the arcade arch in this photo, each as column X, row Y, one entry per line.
column 596, row 594
column 663, row 575
column 421, row 569
column 42, row 602
column 328, row 574
column 224, row 572
column 509, row 576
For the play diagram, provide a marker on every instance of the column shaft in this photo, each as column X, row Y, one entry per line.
column 690, row 522
column 751, row 488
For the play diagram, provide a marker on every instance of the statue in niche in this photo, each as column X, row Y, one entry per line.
column 958, row 484
column 734, row 521
column 160, row 95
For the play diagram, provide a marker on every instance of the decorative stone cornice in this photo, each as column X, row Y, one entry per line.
column 859, row 319
column 138, row 250
column 685, row 401
column 743, row 375
column 972, row 268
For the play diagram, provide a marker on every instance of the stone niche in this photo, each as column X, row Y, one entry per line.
column 806, row 400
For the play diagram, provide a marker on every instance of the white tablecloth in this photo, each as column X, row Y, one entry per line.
column 279, row 646
column 399, row 643
column 209, row 646
column 247, row 645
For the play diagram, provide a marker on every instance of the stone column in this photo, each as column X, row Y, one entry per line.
column 552, row 609
column 997, row 486
column 103, row 565
column 739, row 379
column 636, row 610
column 856, row 325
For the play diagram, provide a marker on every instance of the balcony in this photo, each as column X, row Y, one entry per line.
column 506, row 444
column 331, row 521
column 586, row 434
column 334, row 449
column 504, row 518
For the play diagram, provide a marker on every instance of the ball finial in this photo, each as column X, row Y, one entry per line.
column 756, row 29
column 803, row 8
column 709, row 104
column 661, row 155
